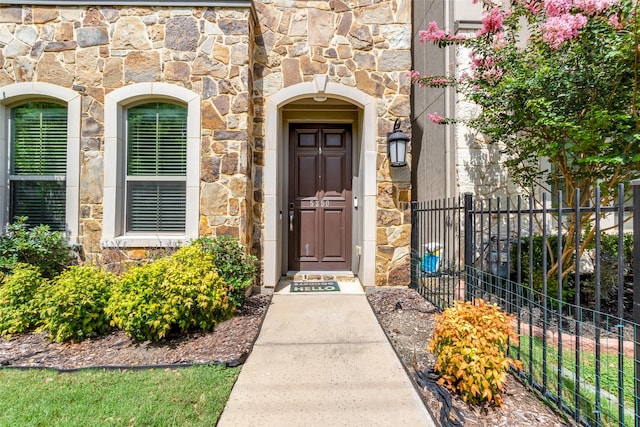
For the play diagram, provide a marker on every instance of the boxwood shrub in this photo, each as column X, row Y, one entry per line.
column 19, row 299
column 178, row 293
column 73, row 306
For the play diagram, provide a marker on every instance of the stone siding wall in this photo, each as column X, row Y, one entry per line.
column 95, row 50
column 233, row 63
column 359, row 43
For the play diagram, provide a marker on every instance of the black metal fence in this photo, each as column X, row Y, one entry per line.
column 565, row 271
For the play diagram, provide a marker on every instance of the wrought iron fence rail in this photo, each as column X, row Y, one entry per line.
column 579, row 337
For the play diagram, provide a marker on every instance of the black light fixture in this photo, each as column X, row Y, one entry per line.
column 397, row 142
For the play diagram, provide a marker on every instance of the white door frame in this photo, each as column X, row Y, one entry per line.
column 272, row 242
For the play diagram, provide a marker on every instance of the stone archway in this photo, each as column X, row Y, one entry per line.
column 273, row 174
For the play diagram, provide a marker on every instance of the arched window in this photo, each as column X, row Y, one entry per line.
column 40, row 154
column 38, row 164
column 156, row 168
column 152, row 166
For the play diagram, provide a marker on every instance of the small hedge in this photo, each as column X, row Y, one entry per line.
column 178, row 293
column 236, row 268
column 38, row 246
column 73, row 307
column 195, row 288
column 19, row 300
column 470, row 343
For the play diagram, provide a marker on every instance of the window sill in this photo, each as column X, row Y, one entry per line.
column 146, row 241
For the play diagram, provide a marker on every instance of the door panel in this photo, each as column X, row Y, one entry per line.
column 320, row 197
column 307, row 247
column 334, row 242
column 306, row 168
column 334, row 167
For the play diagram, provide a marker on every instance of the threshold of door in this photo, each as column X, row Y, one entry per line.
column 347, row 283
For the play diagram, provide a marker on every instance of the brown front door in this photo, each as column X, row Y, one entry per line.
column 319, row 207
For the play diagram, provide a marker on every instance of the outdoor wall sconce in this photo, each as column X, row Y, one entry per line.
column 397, row 142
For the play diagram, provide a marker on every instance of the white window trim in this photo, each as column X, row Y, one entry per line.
column 116, row 102
column 19, row 93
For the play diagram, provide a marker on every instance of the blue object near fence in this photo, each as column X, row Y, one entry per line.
column 430, row 261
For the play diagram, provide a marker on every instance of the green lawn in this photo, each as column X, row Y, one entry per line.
column 608, row 378
column 158, row 397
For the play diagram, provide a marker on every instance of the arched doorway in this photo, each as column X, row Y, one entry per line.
column 294, row 113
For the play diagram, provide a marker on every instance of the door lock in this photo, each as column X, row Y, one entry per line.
column 291, row 211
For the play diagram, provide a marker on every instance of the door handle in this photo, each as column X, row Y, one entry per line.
column 291, row 211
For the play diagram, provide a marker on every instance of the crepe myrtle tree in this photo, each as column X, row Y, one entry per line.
column 555, row 79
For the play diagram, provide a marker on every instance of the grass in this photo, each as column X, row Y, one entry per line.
column 158, row 397
column 608, row 378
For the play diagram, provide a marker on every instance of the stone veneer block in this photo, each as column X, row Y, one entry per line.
column 92, row 36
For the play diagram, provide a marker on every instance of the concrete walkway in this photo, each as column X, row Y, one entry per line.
column 323, row 360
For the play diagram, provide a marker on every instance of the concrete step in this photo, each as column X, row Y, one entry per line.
column 347, row 281
column 320, row 276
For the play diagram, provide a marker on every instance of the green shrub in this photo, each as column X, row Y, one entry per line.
column 19, row 299
column 568, row 290
column 73, row 307
column 36, row 246
column 236, row 268
column 608, row 265
column 181, row 292
column 470, row 341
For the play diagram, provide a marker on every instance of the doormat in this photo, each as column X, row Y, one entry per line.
column 329, row 286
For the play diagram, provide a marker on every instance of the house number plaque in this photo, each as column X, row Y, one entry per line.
column 318, row 203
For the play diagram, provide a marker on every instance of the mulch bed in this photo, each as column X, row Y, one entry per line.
column 407, row 319
column 229, row 343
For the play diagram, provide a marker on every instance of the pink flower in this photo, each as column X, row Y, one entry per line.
column 559, row 29
column 437, row 118
column 557, row 7
column 476, row 61
column 614, row 21
column 533, row 6
column 481, row 61
column 432, row 33
column 499, row 42
column 438, row 36
column 492, row 74
column 413, row 74
column 492, row 22
column 593, row 7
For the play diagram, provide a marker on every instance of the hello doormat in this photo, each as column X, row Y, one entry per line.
column 328, row 286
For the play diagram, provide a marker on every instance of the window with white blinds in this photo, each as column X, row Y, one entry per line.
column 156, row 168
column 38, row 163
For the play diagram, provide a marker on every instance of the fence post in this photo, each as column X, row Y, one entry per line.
column 415, row 263
column 468, row 244
column 635, row 184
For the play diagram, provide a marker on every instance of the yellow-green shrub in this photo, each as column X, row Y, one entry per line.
column 73, row 306
column 181, row 292
column 470, row 343
column 18, row 299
